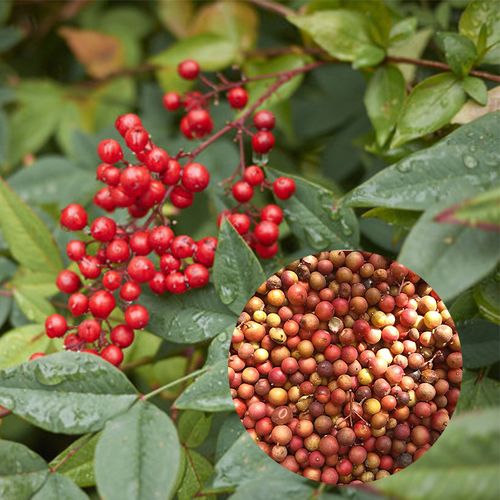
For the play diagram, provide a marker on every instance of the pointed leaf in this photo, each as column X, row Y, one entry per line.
column 197, row 472
column 16, row 346
column 459, row 51
column 480, row 342
column 487, row 297
column 476, row 88
column 194, row 427
column 59, row 487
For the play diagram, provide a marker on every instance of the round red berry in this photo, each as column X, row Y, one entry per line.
column 36, row 355
column 181, row 197
column 264, row 120
column 266, row 232
column 68, row 281
column 112, row 354
column 240, row 222
column 262, row 142
column 74, row 217
column 141, row 269
column 72, row 342
column 122, row 336
column 253, row 175
column 104, row 199
column 55, row 326
column 186, row 128
column 125, row 122
column 200, row 122
column 160, row 239
column 120, row 198
column 242, row 191
column 172, row 173
column 136, row 316
column 266, row 252
column 182, row 246
column 237, row 97
column 130, row 291
column 157, row 160
column 110, row 151
column 196, row 275
column 112, row 280
column 90, row 267
column 108, row 174
column 169, row 263
column 137, row 139
column 139, row 243
column 78, row 304
column 89, row 330
column 175, row 282
column 157, row 283
column 272, row 213
column 103, row 229
column 188, row 69
column 101, row 304
column 284, row 187
column 117, row 251
column 172, row 101
column 154, row 195
column 75, row 250
column 135, row 180
column 205, row 251
column 195, row 177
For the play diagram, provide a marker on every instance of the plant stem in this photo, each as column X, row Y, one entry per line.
column 72, row 452
column 175, row 382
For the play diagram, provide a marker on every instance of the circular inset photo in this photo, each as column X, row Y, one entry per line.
column 345, row 367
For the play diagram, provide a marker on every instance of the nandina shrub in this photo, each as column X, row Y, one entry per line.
column 159, row 160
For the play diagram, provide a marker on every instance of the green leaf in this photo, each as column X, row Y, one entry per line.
column 344, row 34
column 460, row 53
column 430, row 106
column 443, row 249
column 384, row 97
column 288, row 62
column 5, row 307
column 289, row 486
column 403, row 218
column 197, row 472
column 403, row 30
column 480, row 342
column 368, row 56
column 209, row 392
column 237, row 271
column 481, row 211
column 4, row 137
column 194, row 427
column 463, row 465
column 219, row 347
column 16, row 346
column 59, row 487
column 79, row 467
column 9, row 37
column 29, row 240
column 138, row 455
column 67, row 392
column 487, row 297
column 460, row 165
column 41, row 282
column 54, row 179
column 189, row 318
column 478, row 392
column 483, row 16
column 311, row 215
column 476, row 88
column 34, row 307
column 22, row 472
column 463, row 307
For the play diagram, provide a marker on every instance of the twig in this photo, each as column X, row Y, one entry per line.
column 175, row 382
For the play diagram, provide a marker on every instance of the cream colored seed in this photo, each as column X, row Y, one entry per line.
column 278, row 335
column 273, row 320
column 259, row 316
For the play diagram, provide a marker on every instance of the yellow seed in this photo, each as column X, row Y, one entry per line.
column 273, row 320
column 259, row 316
column 278, row 335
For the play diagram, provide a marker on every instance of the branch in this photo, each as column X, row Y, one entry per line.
column 174, row 383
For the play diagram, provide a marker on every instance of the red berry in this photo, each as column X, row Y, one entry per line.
column 112, row 280
column 126, row 122
column 157, row 160
column 242, row 191
column 237, row 97
column 272, row 213
column 160, row 239
column 108, row 174
column 205, row 251
column 240, row 222
column 122, row 336
column 68, row 281
column 253, row 175
column 136, row 316
column 266, row 232
column 101, row 304
column 195, row 177
column 157, row 283
column 55, row 326
column 172, row 101
column 186, row 128
column 110, row 151
column 72, row 342
column 264, row 120
column 284, row 187
column 200, row 122
column 172, row 173
column 74, row 217
column 139, row 243
column 141, row 269
column 130, row 291
column 169, row 263
column 36, row 355
column 137, row 139
column 135, row 180
column 196, row 275
column 120, row 198
column 89, row 330
column 75, row 250
column 78, row 304
column 182, row 246
column 104, row 199
column 266, row 252
column 90, row 267
column 117, row 251
column 112, row 354
column 188, row 69
column 181, row 197
column 175, row 283
column 262, row 142
column 103, row 229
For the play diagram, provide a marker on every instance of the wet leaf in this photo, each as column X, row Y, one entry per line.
column 459, row 51
column 197, row 472
column 480, row 342
column 477, row 89
column 16, row 346
column 59, row 487
column 487, row 297
column 194, row 427
column 478, row 391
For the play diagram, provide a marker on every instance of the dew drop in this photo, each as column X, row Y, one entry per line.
column 404, row 167
column 48, row 376
column 470, row 161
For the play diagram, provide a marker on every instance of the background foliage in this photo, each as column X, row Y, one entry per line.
column 385, row 155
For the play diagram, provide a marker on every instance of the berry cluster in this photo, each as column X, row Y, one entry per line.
column 259, row 227
column 345, row 367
